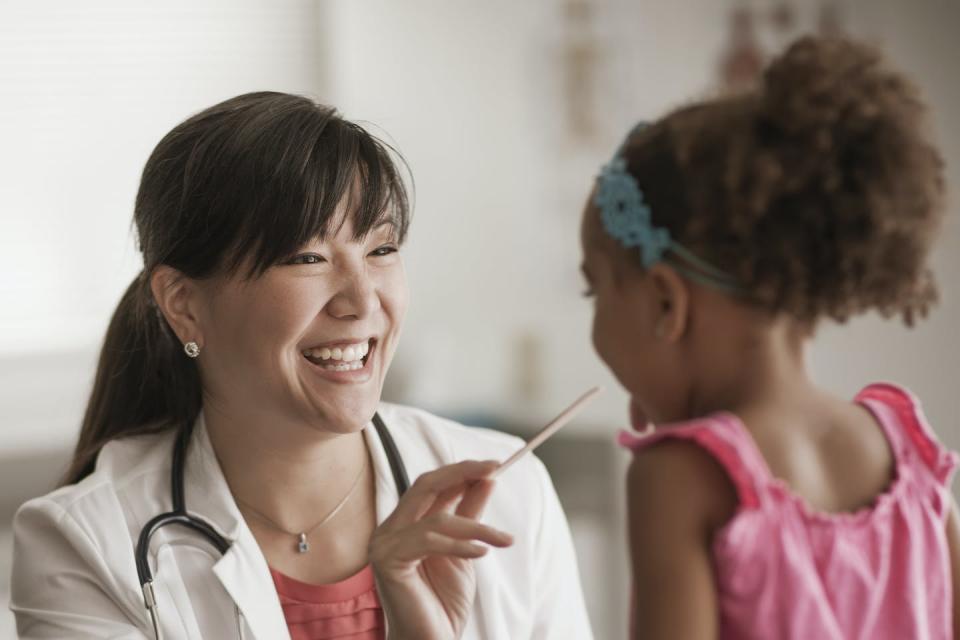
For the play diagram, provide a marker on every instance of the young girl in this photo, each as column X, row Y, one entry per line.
column 761, row 506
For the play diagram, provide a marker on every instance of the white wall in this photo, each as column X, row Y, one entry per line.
column 88, row 90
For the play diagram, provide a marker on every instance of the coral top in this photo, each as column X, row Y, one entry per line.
column 784, row 570
column 347, row 610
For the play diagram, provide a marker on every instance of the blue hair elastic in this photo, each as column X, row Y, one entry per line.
column 627, row 218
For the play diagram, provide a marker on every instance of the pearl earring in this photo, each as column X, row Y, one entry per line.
column 192, row 349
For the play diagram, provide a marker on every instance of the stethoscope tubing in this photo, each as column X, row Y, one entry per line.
column 179, row 516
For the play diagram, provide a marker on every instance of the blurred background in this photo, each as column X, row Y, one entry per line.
column 504, row 110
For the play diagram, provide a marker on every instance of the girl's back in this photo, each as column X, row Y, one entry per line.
column 791, row 567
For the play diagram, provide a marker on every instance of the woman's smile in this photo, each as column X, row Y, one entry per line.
column 345, row 361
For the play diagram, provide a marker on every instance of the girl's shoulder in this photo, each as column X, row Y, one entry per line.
column 704, row 447
column 681, row 479
column 721, row 441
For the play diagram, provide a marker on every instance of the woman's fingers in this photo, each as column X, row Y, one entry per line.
column 470, row 499
column 475, row 499
column 399, row 553
column 441, row 534
column 446, row 500
column 464, row 528
column 443, row 482
column 421, row 525
column 437, row 544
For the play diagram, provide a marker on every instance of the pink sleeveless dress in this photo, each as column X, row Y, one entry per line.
column 784, row 570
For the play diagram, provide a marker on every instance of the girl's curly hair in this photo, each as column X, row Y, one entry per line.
column 820, row 191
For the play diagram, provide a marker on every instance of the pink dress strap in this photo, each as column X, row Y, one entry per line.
column 914, row 442
column 725, row 439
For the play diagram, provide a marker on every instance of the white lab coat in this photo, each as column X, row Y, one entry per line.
column 74, row 573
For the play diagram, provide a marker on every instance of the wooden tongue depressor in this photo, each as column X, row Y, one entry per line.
column 552, row 427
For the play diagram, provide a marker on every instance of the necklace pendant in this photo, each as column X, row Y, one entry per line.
column 302, row 545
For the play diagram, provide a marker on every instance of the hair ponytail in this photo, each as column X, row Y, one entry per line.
column 144, row 383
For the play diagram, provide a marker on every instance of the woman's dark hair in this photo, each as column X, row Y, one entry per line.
column 243, row 184
column 820, row 191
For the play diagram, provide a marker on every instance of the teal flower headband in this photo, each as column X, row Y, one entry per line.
column 627, row 219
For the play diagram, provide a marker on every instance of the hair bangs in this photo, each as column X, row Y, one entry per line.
column 314, row 174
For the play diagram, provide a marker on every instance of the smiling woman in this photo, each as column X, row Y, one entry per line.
column 237, row 406
column 230, row 204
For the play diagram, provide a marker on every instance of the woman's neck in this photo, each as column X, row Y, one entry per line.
column 292, row 474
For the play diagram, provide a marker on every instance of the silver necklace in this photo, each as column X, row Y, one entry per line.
column 302, row 545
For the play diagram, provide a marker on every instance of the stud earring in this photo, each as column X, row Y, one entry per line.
column 192, row 349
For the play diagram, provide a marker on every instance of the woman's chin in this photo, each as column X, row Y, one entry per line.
column 349, row 416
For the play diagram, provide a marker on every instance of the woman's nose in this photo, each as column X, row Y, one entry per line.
column 356, row 296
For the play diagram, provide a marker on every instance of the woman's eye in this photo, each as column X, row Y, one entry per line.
column 307, row 258
column 385, row 250
column 588, row 292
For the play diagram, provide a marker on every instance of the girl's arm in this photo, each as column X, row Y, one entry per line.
column 678, row 496
column 953, row 537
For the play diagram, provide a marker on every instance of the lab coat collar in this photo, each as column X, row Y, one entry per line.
column 205, row 488
column 387, row 495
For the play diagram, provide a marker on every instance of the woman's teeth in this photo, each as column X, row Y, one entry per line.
column 349, row 358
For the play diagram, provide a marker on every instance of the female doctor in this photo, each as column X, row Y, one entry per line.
column 236, row 473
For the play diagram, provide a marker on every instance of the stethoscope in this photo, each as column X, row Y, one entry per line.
column 180, row 516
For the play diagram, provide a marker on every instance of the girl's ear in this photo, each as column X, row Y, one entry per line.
column 672, row 302
column 176, row 297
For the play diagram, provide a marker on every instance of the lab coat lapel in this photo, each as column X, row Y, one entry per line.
column 244, row 574
column 243, row 570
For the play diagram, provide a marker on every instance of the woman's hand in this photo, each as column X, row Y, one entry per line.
column 422, row 553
